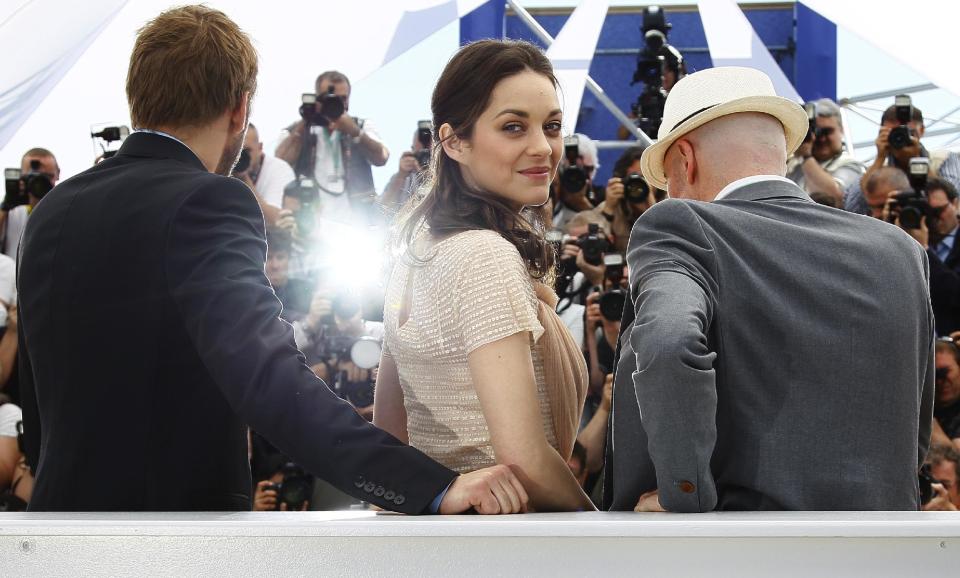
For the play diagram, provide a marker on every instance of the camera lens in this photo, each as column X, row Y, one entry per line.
column 611, row 304
column 573, row 179
column 331, row 107
column 635, row 189
column 38, row 185
column 899, row 137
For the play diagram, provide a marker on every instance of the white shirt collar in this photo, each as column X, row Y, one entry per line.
column 748, row 181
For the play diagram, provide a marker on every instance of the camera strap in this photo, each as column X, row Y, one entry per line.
column 334, row 147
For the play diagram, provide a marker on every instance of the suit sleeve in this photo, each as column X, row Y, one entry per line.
column 28, row 403
column 215, row 271
column 672, row 276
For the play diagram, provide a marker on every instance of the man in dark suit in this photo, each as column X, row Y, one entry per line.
column 938, row 235
column 150, row 337
column 779, row 353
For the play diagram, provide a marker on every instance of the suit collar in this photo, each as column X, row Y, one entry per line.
column 766, row 189
column 157, row 146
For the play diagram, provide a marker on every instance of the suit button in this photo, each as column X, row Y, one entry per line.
column 369, row 486
column 687, row 487
column 389, row 495
column 379, row 491
column 359, row 482
column 399, row 500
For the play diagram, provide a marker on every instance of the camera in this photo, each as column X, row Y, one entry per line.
column 305, row 190
column 926, row 484
column 331, row 108
column 593, row 244
column 335, row 348
column 655, row 57
column 913, row 205
column 295, row 489
column 613, row 299
column 573, row 178
column 814, row 132
column 107, row 135
column 111, row 133
column 425, row 136
column 19, row 187
column 901, row 136
column 635, row 188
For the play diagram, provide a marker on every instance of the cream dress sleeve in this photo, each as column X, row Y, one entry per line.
column 493, row 294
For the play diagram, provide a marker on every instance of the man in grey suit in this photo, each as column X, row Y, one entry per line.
column 779, row 353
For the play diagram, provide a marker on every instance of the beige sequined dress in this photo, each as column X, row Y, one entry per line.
column 469, row 290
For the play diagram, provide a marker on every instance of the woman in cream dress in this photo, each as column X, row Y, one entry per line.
column 477, row 369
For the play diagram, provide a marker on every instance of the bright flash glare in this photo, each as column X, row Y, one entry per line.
column 353, row 255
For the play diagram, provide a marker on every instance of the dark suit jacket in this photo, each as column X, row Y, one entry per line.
column 151, row 339
column 779, row 356
column 945, row 290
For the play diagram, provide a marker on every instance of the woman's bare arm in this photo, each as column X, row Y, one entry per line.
column 388, row 411
column 503, row 376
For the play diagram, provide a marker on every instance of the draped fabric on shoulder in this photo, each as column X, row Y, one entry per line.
column 564, row 371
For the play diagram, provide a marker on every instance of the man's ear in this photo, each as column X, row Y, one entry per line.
column 688, row 159
column 452, row 144
column 239, row 115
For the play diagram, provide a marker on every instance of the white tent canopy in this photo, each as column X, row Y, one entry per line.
column 53, row 90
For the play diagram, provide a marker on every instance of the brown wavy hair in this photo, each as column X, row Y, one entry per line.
column 188, row 66
column 446, row 203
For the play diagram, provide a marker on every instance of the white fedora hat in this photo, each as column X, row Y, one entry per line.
column 710, row 94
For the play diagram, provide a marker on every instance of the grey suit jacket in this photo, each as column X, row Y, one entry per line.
column 781, row 358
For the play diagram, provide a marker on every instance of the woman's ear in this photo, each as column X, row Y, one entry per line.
column 452, row 144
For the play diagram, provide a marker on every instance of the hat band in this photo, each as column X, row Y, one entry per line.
column 693, row 114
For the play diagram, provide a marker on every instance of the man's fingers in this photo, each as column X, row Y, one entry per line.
column 521, row 492
column 503, row 498
column 486, row 503
column 513, row 505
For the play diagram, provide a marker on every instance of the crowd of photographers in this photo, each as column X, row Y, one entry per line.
column 319, row 204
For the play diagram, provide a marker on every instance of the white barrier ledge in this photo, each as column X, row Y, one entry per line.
column 354, row 543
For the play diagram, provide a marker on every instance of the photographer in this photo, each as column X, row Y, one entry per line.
column 403, row 184
column 879, row 186
column 580, row 254
column 340, row 150
column 571, row 190
column 39, row 172
column 281, row 485
column 328, row 334
column 294, row 294
column 627, row 196
column 265, row 175
column 16, row 480
column 905, row 123
column 937, row 233
column 942, row 467
column 946, row 409
column 821, row 164
column 604, row 311
column 659, row 67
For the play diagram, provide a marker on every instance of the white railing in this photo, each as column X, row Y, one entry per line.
column 588, row 544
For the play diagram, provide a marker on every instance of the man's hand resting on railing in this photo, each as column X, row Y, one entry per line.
column 493, row 490
column 649, row 502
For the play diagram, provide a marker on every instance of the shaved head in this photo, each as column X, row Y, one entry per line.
column 710, row 157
